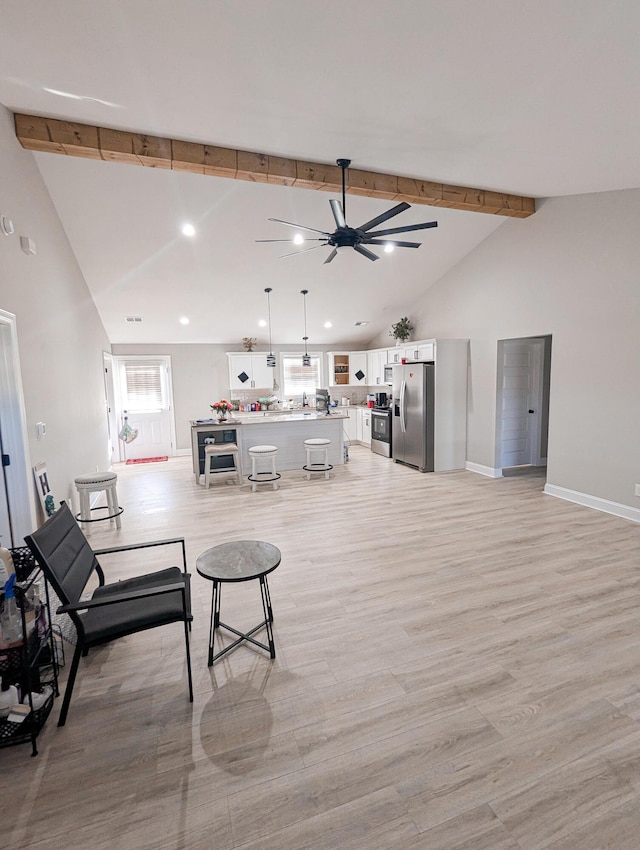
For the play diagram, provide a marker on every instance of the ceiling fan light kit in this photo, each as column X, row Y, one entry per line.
column 354, row 237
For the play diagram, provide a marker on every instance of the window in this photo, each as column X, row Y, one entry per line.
column 144, row 385
column 298, row 379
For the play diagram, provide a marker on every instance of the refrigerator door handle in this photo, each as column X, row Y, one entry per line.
column 403, row 412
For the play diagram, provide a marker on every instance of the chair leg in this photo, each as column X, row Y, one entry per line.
column 70, row 683
column 186, row 641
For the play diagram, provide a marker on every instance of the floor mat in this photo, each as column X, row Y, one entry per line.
column 147, row 460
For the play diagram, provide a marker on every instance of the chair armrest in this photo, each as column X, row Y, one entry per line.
column 113, row 598
column 131, row 546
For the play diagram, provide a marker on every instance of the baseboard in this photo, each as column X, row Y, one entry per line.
column 181, row 452
column 483, row 470
column 604, row 505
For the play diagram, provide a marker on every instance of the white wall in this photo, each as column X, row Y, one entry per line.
column 60, row 335
column 572, row 270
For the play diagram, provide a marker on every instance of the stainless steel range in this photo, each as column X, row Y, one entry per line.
column 381, row 431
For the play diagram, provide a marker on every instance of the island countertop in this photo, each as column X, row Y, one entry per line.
column 267, row 417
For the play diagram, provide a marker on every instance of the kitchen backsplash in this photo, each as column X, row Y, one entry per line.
column 353, row 395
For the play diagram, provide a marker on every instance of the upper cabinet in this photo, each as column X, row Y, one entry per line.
column 421, row 350
column 348, row 368
column 250, row 371
column 376, row 361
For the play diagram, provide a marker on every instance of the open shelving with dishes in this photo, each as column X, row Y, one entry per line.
column 30, row 664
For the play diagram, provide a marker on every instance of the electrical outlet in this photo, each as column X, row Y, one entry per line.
column 637, row 489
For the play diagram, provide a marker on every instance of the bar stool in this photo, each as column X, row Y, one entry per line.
column 96, row 482
column 261, row 455
column 313, row 446
column 214, row 450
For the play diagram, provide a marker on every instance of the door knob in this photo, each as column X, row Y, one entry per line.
column 532, row 411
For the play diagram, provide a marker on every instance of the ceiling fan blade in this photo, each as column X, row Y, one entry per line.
column 336, row 209
column 369, row 254
column 300, row 226
column 405, row 229
column 331, row 256
column 394, row 242
column 385, row 216
column 303, row 251
column 290, row 241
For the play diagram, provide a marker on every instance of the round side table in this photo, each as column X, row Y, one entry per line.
column 242, row 560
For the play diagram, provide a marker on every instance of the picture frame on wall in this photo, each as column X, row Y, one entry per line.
column 44, row 490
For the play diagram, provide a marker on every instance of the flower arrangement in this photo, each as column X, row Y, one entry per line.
column 222, row 407
column 248, row 342
column 401, row 329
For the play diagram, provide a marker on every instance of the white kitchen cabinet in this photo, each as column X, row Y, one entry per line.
column 395, row 355
column 376, row 361
column 366, row 426
column 426, row 351
column 250, row 371
column 363, row 425
column 348, row 368
column 358, row 369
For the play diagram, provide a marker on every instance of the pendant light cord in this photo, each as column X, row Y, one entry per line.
column 305, row 337
column 268, row 291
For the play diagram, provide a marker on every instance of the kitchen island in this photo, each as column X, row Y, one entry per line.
column 285, row 429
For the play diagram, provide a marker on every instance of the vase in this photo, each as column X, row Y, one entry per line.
column 222, row 416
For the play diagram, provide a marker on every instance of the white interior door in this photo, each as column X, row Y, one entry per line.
column 110, row 406
column 520, row 397
column 145, row 399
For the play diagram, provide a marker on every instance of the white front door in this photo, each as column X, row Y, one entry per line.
column 145, row 404
column 520, row 393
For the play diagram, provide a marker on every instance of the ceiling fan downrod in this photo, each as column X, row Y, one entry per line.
column 344, row 164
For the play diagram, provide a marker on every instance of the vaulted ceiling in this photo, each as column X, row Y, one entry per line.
column 534, row 99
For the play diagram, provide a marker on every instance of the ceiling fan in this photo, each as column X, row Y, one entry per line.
column 355, row 237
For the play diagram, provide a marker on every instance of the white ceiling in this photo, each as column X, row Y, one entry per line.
column 536, row 98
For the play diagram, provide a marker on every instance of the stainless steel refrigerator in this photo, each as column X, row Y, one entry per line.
column 412, row 432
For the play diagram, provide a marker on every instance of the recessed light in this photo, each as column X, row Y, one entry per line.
column 262, row 323
column 389, row 247
column 188, row 229
column 184, row 320
column 298, row 239
column 328, row 324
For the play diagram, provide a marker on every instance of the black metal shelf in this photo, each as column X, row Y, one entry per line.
column 31, row 664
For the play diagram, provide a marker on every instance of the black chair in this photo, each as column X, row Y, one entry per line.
column 114, row 610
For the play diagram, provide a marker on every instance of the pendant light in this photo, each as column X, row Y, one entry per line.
column 271, row 358
column 306, row 359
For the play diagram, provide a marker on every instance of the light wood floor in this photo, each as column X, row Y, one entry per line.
column 457, row 666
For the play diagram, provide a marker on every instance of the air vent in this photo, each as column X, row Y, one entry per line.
column 133, row 319
column 361, row 324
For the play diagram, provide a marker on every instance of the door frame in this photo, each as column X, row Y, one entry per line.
column 541, row 346
column 119, row 407
column 14, row 434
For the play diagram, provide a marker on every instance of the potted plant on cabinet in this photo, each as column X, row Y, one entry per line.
column 401, row 330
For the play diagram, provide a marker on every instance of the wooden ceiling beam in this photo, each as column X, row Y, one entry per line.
column 72, row 139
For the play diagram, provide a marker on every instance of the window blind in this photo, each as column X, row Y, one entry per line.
column 144, row 385
column 298, row 379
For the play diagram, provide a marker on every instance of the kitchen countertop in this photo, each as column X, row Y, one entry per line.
column 286, row 416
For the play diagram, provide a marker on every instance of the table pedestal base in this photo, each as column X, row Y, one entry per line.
column 217, row 623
